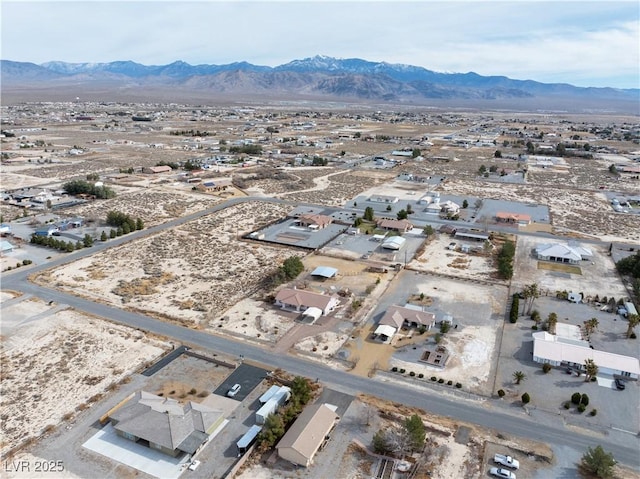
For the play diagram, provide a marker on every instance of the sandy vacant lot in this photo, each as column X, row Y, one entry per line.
column 190, row 273
column 57, row 361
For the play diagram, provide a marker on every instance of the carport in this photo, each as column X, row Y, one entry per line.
column 385, row 331
column 311, row 315
column 324, row 272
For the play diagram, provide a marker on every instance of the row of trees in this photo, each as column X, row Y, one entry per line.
column 55, row 243
column 118, row 219
column 82, row 187
column 505, row 260
column 276, row 424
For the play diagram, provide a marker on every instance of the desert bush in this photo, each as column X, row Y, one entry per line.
column 575, row 398
column 394, row 369
column 458, row 385
column 433, row 378
column 546, row 367
column 501, row 393
column 526, row 399
column 584, row 400
column 567, row 404
column 593, row 412
column 193, row 391
column 440, row 381
column 402, row 371
column 450, row 382
column 581, row 407
column 412, row 374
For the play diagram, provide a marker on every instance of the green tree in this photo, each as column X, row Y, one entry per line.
column 103, row 236
column 590, row 326
column 381, row 443
column 402, row 215
column 613, row 170
column 531, row 292
column 497, row 154
column 409, row 209
column 531, row 149
column 87, row 241
column 632, row 321
column 272, row 430
column 301, row 389
column 465, row 204
column 526, row 399
column 292, row 267
column 428, row 230
column 368, row 213
column 415, row 153
column 416, row 431
column 482, row 170
column 389, row 207
column 126, row 229
column 139, row 224
column 590, row 369
column 112, row 233
column 552, row 322
column 519, row 376
column 599, row 462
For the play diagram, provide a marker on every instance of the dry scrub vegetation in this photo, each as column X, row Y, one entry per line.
column 186, row 274
column 56, row 367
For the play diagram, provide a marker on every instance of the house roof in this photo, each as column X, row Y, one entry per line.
column 554, row 348
column 502, row 215
column 313, row 219
column 165, row 421
column 393, row 242
column 5, row 246
column 402, row 225
column 159, row 169
column 397, row 315
column 299, row 297
column 558, row 250
column 308, row 431
column 324, row 271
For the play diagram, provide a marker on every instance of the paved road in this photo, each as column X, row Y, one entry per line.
column 489, row 413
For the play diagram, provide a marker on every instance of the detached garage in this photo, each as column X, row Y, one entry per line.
column 307, row 434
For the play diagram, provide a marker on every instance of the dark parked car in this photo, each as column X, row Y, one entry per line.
column 620, row 384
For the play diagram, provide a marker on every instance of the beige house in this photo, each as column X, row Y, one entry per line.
column 513, row 218
column 395, row 225
column 157, row 169
column 301, row 300
column 316, row 222
column 307, row 434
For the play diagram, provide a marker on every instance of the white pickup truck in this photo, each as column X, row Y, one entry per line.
column 506, row 461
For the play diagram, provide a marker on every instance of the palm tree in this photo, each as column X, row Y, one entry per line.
column 590, row 326
column 634, row 320
column 552, row 321
column 531, row 293
column 519, row 376
column 590, row 369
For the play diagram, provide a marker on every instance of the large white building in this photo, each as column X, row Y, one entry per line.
column 563, row 253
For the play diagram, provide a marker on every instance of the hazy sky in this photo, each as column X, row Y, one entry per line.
column 582, row 42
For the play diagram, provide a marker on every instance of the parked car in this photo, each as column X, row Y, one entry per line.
column 504, row 473
column 506, row 461
column 234, row 390
column 194, row 465
column 620, row 384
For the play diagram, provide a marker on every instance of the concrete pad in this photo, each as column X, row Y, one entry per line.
column 107, row 443
column 605, row 382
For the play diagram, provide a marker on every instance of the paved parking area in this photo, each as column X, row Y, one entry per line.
column 248, row 376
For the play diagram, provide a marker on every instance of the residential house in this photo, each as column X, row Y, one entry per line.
column 154, row 170
column 561, row 351
column 393, row 242
column 513, row 218
column 397, row 316
column 210, row 186
column 300, row 300
column 563, row 253
column 307, row 435
column 165, row 424
column 314, row 221
column 384, row 199
column 394, row 225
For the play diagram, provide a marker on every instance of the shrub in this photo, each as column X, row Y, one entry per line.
column 581, row 408
column 193, row 391
column 433, row 378
column 584, row 400
column 449, row 382
column 402, row 371
column 440, row 381
column 394, row 369
column 575, row 398
column 458, row 385
column 526, row 398
column 420, row 375
column 593, row 412
column 501, row 393
column 567, row 404
column 632, row 336
column 515, row 307
column 412, row 374
column 546, row 367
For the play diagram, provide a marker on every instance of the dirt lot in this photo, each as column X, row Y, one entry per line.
column 187, row 261
column 56, row 362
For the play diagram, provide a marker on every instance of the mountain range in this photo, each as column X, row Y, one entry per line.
column 319, row 78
